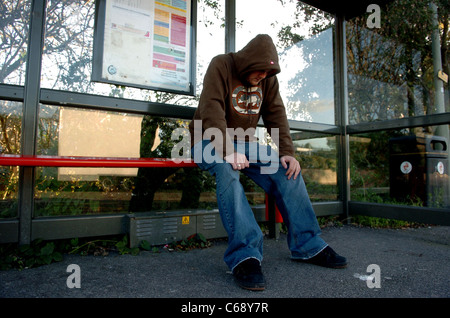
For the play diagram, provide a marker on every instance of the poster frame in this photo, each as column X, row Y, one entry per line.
column 98, row 53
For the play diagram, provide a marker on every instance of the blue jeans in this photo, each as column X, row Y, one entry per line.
column 245, row 239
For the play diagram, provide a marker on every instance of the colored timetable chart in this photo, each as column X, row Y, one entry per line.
column 178, row 30
column 162, row 26
column 147, row 44
column 170, row 39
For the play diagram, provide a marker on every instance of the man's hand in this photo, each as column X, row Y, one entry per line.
column 237, row 160
column 294, row 166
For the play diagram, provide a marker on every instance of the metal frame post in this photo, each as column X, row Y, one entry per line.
column 230, row 26
column 341, row 90
column 30, row 117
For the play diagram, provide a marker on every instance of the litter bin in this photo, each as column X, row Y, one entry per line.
column 419, row 170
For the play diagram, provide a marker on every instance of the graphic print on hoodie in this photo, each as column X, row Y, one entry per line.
column 229, row 101
column 247, row 100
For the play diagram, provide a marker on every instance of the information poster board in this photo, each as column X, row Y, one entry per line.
column 146, row 44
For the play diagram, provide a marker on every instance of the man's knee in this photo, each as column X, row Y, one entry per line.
column 225, row 170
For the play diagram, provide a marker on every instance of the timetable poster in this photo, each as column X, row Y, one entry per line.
column 147, row 44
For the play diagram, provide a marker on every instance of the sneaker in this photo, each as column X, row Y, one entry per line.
column 327, row 258
column 248, row 275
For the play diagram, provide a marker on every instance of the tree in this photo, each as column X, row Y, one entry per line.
column 391, row 68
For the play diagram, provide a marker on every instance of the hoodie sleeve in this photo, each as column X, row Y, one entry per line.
column 274, row 117
column 212, row 104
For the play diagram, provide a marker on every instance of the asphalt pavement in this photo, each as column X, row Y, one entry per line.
column 383, row 263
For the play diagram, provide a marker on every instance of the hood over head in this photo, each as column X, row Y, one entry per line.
column 260, row 54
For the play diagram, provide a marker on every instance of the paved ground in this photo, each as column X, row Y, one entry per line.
column 413, row 263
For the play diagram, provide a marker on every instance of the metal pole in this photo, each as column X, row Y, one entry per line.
column 30, row 117
column 439, row 102
column 437, row 61
column 230, row 26
column 342, row 113
column 437, row 66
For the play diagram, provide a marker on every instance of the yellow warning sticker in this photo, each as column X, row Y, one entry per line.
column 185, row 220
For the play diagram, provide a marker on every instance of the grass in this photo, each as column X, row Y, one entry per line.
column 368, row 221
column 382, row 223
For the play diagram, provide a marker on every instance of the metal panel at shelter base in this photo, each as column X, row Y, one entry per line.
column 158, row 228
column 210, row 225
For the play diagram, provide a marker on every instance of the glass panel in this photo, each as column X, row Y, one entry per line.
column 67, row 59
column 408, row 166
column 14, row 27
column 210, row 36
column 10, row 127
column 390, row 69
column 304, row 39
column 317, row 154
column 147, row 189
column 9, row 190
column 10, row 134
column 78, row 132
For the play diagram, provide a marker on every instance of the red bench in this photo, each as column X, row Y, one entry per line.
column 272, row 215
column 57, row 161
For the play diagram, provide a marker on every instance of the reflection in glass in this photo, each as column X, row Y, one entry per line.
column 307, row 79
column 67, row 59
column 304, row 39
column 408, row 166
column 10, row 127
column 66, row 62
column 10, row 134
column 390, row 69
column 317, row 155
column 14, row 27
column 113, row 193
column 67, row 131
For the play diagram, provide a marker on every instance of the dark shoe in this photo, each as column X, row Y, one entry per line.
column 327, row 258
column 248, row 275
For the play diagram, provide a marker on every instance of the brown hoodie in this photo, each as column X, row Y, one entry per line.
column 229, row 101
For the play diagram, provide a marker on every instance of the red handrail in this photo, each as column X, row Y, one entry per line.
column 58, row 161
